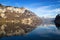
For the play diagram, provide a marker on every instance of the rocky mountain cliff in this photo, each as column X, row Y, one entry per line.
column 17, row 21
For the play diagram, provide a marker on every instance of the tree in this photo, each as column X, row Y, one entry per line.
column 57, row 20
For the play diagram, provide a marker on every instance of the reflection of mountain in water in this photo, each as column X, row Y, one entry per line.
column 14, row 29
column 44, row 31
column 40, row 33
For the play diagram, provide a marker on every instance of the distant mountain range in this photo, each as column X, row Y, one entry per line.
column 48, row 20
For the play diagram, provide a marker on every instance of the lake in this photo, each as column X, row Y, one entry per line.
column 42, row 32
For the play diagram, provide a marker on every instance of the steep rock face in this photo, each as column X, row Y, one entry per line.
column 17, row 21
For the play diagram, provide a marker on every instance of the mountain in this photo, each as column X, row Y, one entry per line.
column 17, row 21
column 48, row 20
column 57, row 21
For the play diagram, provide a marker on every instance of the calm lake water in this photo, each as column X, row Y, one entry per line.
column 42, row 32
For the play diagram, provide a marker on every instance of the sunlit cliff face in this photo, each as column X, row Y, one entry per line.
column 32, row 21
column 17, row 21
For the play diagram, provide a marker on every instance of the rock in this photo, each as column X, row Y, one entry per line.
column 17, row 21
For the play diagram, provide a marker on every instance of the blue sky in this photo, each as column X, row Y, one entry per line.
column 46, row 8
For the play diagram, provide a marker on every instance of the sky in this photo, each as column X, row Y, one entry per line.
column 42, row 8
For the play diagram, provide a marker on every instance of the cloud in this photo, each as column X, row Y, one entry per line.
column 40, row 9
column 46, row 11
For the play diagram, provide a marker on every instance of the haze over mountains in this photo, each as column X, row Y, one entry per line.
column 48, row 20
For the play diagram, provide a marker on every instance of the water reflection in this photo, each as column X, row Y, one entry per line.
column 42, row 32
column 13, row 29
column 45, row 31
